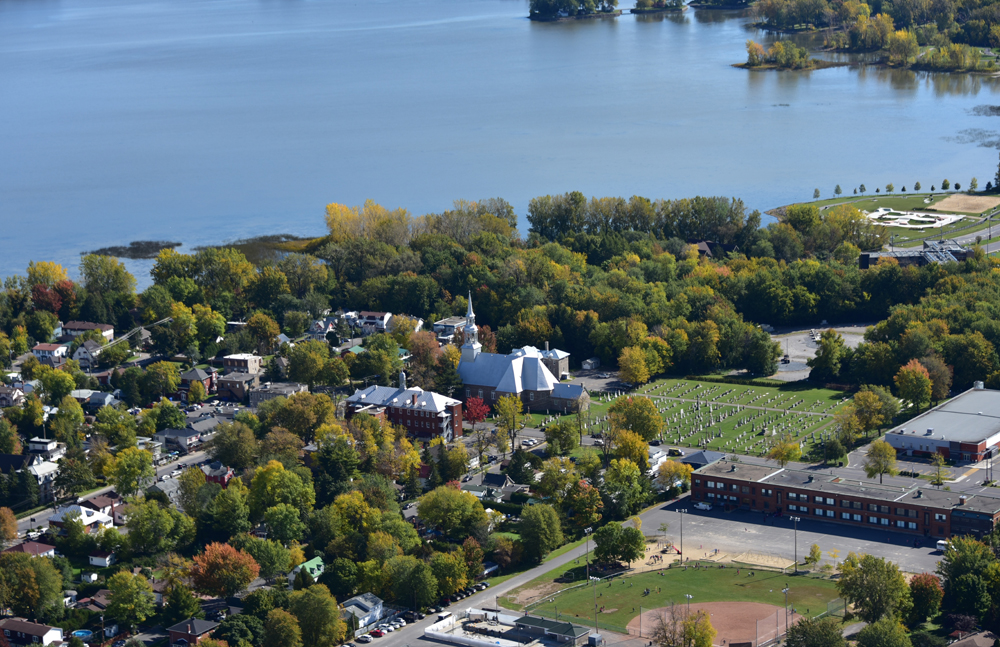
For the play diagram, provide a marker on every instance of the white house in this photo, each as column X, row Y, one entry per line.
column 366, row 607
column 45, row 473
column 87, row 353
column 101, row 559
column 74, row 328
column 48, row 351
column 373, row 322
column 93, row 520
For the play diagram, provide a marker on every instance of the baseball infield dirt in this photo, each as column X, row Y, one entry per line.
column 735, row 622
column 967, row 203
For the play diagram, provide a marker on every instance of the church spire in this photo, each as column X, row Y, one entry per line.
column 471, row 347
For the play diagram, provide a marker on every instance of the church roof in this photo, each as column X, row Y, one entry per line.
column 522, row 370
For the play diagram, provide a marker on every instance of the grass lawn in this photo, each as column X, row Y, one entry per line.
column 620, row 596
column 897, row 202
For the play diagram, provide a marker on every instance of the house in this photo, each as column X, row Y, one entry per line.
column 206, row 377
column 75, row 328
column 283, row 339
column 101, row 558
column 11, row 397
column 236, row 386
column 242, row 363
column 423, row 413
column 48, row 351
column 87, row 353
column 82, row 396
column 483, row 493
column 523, row 373
column 93, row 520
column 45, row 473
column 178, row 439
column 366, row 607
column 314, row 567
column 700, row 459
column 46, row 449
column 100, row 399
column 563, row 632
column 33, row 548
column 373, row 322
column 445, row 328
column 110, row 504
column 497, row 480
column 272, row 390
column 19, row 632
column 591, row 364
column 190, row 632
column 171, row 488
column 216, row 472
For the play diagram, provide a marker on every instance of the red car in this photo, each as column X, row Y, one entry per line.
column 378, row 633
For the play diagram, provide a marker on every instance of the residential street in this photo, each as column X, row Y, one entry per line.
column 40, row 519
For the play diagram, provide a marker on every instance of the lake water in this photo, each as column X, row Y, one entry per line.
column 203, row 121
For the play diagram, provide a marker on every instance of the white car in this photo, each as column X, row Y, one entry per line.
column 365, row 638
column 701, row 505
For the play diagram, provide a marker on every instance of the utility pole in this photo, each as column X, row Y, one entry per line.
column 682, row 512
column 785, row 591
column 796, row 521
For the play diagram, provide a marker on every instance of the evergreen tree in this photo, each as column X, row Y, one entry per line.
column 181, row 604
column 303, row 580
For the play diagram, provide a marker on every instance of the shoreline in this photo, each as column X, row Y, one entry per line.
column 588, row 16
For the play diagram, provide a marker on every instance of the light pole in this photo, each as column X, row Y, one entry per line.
column 682, row 512
column 796, row 521
column 587, row 532
column 688, row 596
column 785, row 591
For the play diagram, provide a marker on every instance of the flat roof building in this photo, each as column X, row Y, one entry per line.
column 965, row 428
column 912, row 508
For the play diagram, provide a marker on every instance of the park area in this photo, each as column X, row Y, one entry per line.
column 744, row 604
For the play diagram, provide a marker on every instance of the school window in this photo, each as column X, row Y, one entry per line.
column 829, row 513
column 493, row 395
column 884, row 509
column 819, row 512
column 857, row 505
column 818, row 499
column 531, row 396
column 709, row 484
column 710, row 495
column 940, row 517
column 745, row 489
column 792, row 508
column 792, row 496
column 872, row 519
column 845, row 515
column 872, row 507
column 912, row 525
column 767, row 492
column 829, row 501
column 856, row 517
column 885, row 522
column 468, row 393
column 900, row 524
column 480, row 394
column 844, row 503
column 734, row 487
column 697, row 481
column 900, row 512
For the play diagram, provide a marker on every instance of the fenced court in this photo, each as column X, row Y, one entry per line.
column 754, row 595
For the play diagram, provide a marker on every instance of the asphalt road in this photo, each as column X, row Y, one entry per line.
column 40, row 519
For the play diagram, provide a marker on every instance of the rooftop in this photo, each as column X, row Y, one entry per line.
column 553, row 626
column 389, row 396
column 25, row 627
column 970, row 417
column 739, row 471
column 193, row 627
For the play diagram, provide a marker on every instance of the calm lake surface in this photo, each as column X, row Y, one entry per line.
column 203, row 121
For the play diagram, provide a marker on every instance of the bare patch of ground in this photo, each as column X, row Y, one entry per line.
column 967, row 203
column 735, row 622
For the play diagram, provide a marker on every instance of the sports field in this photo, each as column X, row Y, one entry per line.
column 620, row 600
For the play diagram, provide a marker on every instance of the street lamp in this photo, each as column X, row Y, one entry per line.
column 682, row 512
column 587, row 532
column 688, row 596
column 796, row 520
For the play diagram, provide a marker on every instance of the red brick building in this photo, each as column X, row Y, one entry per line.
column 914, row 509
column 422, row 413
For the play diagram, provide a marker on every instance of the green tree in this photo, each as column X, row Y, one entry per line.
column 75, row 474
column 283, row 523
column 965, row 560
column 811, row 632
column 540, row 531
column 450, row 572
column 837, row 190
column 153, row 529
column 106, row 275
column 234, row 445
column 826, row 364
column 582, row 505
column 180, row 605
column 318, row 616
column 625, row 489
column 874, row 585
column 451, row 510
column 116, row 425
column 130, row 600
column 880, row 460
column 945, row 185
column 886, row 632
column 508, row 414
column 816, row 192
column 615, row 543
column 129, row 470
column 190, row 481
column 815, row 554
column 632, row 366
column 281, row 630
column 160, row 379
column 562, row 437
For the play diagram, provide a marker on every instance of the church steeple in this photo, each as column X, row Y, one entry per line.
column 471, row 347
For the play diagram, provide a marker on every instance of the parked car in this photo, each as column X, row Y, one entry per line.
column 402, row 623
column 656, row 442
column 365, row 638
column 377, row 633
column 675, row 452
column 701, row 505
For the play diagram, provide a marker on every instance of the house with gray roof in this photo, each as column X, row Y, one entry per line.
column 366, row 607
column 423, row 413
column 524, row 372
